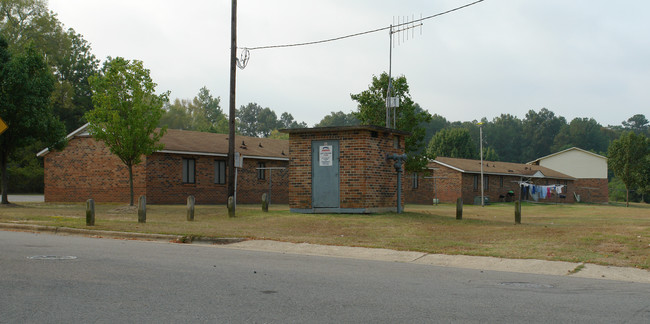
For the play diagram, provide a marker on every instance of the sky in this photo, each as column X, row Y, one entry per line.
column 579, row 58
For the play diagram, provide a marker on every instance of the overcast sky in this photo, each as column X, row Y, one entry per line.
column 578, row 58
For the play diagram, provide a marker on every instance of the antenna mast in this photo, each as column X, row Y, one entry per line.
column 399, row 29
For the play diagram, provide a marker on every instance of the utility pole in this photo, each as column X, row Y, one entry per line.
column 480, row 127
column 231, row 114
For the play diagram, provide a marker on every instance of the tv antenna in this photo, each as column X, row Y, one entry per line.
column 401, row 32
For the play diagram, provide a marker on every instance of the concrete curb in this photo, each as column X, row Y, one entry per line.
column 556, row 268
column 120, row 235
column 543, row 267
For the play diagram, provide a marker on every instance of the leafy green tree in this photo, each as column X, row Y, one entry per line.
column 69, row 56
column 211, row 109
column 454, row 143
column 627, row 158
column 489, row 154
column 338, row 119
column 539, row 130
column 26, row 85
column 127, row 112
column 275, row 134
column 585, row 133
column 201, row 114
column 371, row 105
column 504, row 135
column 178, row 115
column 638, row 124
column 433, row 126
column 287, row 121
column 256, row 121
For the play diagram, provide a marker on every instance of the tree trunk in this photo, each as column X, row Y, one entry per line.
column 131, row 182
column 627, row 197
column 4, row 177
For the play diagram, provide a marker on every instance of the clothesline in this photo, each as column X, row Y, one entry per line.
column 541, row 191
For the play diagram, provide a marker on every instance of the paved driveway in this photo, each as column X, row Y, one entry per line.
column 26, row 198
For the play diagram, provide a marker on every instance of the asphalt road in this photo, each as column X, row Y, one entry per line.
column 135, row 281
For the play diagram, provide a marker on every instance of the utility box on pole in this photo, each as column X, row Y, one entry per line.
column 343, row 169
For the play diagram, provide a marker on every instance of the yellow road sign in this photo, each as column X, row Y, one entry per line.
column 3, row 126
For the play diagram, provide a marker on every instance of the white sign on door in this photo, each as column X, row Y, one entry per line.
column 325, row 155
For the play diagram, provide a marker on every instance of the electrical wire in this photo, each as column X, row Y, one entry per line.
column 363, row 33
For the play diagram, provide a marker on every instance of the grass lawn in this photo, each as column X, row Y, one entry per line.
column 600, row 234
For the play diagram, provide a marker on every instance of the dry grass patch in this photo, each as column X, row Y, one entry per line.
column 608, row 235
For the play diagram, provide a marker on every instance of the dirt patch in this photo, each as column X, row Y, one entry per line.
column 124, row 210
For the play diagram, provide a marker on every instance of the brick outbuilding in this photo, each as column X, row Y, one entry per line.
column 344, row 169
column 192, row 163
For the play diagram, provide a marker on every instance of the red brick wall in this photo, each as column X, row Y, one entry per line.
column 448, row 184
column 458, row 185
column 165, row 181
column 86, row 169
column 599, row 192
column 423, row 194
column 367, row 179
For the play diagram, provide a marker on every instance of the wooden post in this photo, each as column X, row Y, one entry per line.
column 517, row 212
column 459, row 208
column 265, row 203
column 142, row 209
column 190, row 208
column 90, row 212
column 231, row 207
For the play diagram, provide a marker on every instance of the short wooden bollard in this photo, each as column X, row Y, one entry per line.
column 231, row 207
column 459, row 208
column 90, row 212
column 190, row 208
column 265, row 203
column 142, row 209
column 517, row 212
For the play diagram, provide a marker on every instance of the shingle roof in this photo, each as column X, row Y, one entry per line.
column 498, row 168
column 199, row 143
column 209, row 143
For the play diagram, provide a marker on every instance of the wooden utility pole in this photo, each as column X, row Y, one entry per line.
column 231, row 114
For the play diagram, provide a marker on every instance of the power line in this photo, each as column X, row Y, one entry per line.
column 365, row 32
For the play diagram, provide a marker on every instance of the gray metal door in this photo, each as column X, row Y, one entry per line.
column 325, row 174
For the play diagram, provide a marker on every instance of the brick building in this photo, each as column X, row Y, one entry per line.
column 589, row 169
column 192, row 163
column 453, row 178
column 343, row 169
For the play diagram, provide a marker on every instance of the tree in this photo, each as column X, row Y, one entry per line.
column 627, row 158
column 127, row 111
column 371, row 105
column 256, row 121
column 201, row 114
column 504, row 135
column 287, row 121
column 211, row 109
column 489, row 154
column 539, row 130
column 26, row 85
column 638, row 124
column 433, row 126
column 585, row 133
column 338, row 119
column 68, row 55
column 453, row 143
